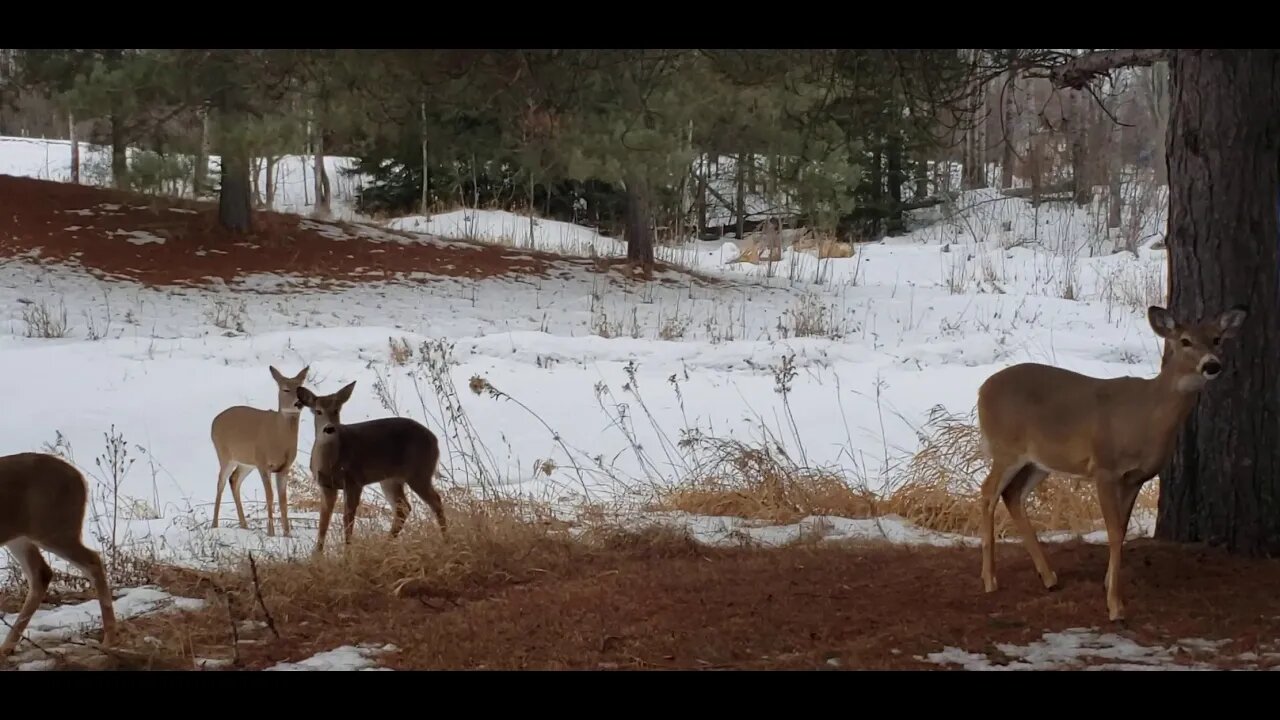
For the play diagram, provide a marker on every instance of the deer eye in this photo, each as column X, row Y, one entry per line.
column 1186, row 342
column 1217, row 341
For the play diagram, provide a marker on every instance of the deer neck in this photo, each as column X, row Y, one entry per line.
column 1173, row 394
column 286, row 424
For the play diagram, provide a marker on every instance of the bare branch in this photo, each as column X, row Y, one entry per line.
column 1079, row 71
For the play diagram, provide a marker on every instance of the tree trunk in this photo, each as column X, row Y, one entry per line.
column 1160, row 111
column 639, row 222
column 75, row 148
column 1007, row 133
column 271, row 180
column 255, row 180
column 740, row 202
column 119, row 154
column 896, row 178
column 321, row 177
column 426, row 167
column 1115, row 174
column 700, row 202
column 1222, row 486
column 201, row 174
column 1078, row 135
column 922, row 178
column 235, row 196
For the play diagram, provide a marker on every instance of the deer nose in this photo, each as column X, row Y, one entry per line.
column 329, row 430
column 1211, row 368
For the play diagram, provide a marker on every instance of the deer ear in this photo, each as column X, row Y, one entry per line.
column 1161, row 321
column 302, row 375
column 275, row 373
column 306, row 397
column 1230, row 321
column 344, row 394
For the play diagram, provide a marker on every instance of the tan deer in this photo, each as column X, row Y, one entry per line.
column 1037, row 419
column 393, row 452
column 42, row 506
column 248, row 438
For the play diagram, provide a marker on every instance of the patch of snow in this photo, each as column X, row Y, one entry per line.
column 346, row 657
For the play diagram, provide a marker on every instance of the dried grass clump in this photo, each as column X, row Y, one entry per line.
column 940, row 487
column 754, row 481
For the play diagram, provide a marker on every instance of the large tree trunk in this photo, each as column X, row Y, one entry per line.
column 1223, row 483
column 639, row 228
column 1160, row 111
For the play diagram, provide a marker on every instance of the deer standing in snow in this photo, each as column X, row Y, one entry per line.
column 42, row 506
column 266, row 440
column 392, row 451
column 1037, row 419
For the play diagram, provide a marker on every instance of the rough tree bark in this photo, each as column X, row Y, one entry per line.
column 1223, row 484
column 1007, row 135
column 75, row 148
column 119, row 154
column 639, row 230
column 893, row 161
column 201, row 172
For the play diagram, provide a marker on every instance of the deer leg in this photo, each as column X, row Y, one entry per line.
column 1128, row 496
column 328, row 497
column 225, row 470
column 90, row 563
column 1014, row 496
column 394, row 490
column 39, row 575
column 237, row 477
column 1109, row 496
column 282, row 493
column 422, row 487
column 265, row 473
column 352, row 497
column 992, row 487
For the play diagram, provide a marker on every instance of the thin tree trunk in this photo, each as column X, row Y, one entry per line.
column 639, row 228
column 896, row 178
column 1222, row 486
column 1160, row 111
column 255, row 180
column 321, row 177
column 201, row 174
column 1007, row 134
column 740, row 169
column 922, row 178
column 700, row 202
column 1115, row 176
column 272, row 160
column 426, row 167
column 75, row 148
column 1076, row 130
column 119, row 154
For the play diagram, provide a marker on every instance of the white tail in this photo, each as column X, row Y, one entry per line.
column 1037, row 419
column 266, row 440
column 42, row 506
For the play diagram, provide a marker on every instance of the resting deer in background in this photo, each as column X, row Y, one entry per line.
column 42, row 506
column 267, row 440
column 1037, row 419
column 392, row 451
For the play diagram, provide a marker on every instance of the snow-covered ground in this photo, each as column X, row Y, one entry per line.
column 602, row 376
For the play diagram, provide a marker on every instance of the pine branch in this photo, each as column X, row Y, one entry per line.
column 1079, row 71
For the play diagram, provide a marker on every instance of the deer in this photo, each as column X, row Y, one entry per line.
column 266, row 440
column 1119, row 432
column 392, row 451
column 42, row 506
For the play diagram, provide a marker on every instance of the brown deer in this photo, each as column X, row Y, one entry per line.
column 266, row 440
column 1037, row 419
column 393, row 452
column 42, row 506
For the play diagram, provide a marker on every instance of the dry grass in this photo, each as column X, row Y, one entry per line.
column 762, row 484
column 939, row 488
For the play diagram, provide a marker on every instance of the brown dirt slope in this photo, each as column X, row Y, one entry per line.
column 801, row 607
column 167, row 241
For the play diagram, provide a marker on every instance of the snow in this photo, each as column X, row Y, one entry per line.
column 1086, row 649
column 347, row 657
column 600, row 376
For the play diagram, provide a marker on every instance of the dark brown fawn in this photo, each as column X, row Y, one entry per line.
column 393, row 452
column 42, row 506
